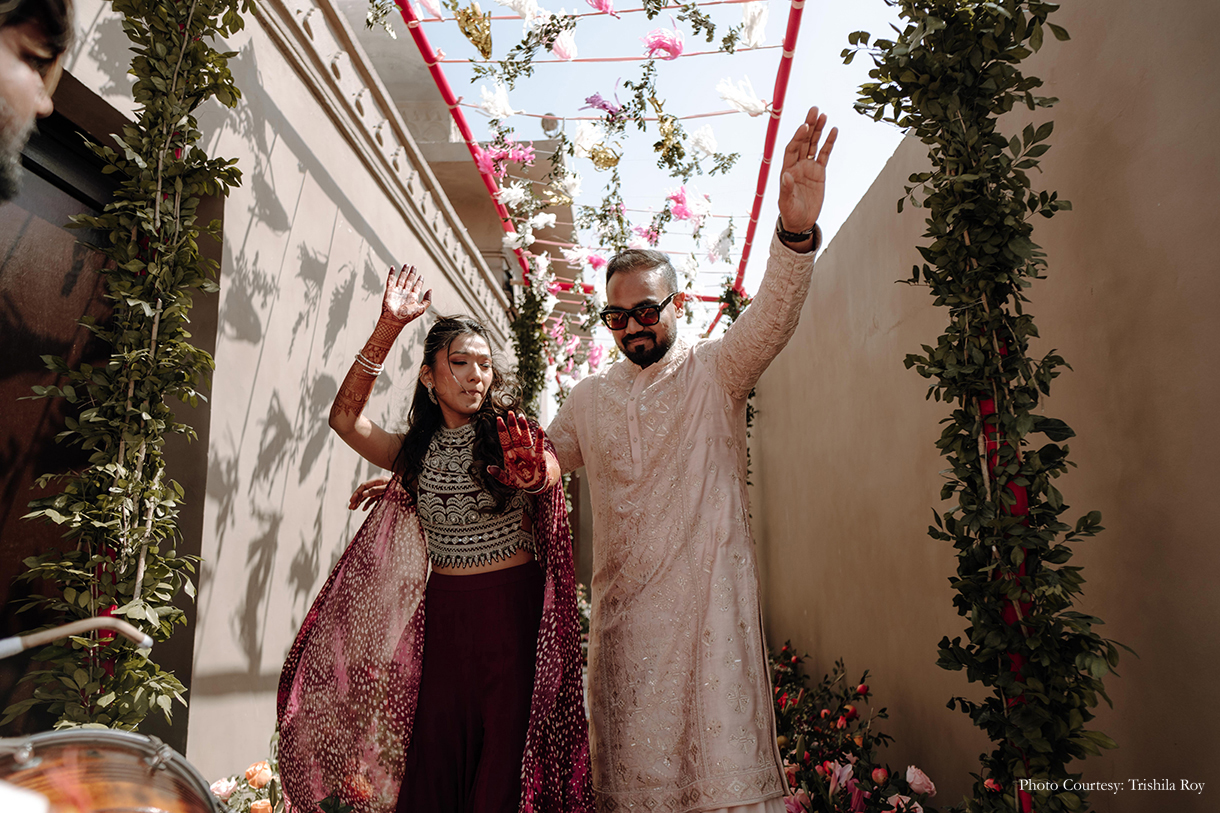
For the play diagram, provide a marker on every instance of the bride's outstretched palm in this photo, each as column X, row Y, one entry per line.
column 402, row 301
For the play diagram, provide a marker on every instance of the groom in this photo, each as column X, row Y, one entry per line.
column 682, row 715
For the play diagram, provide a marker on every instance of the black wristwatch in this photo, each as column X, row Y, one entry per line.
column 797, row 236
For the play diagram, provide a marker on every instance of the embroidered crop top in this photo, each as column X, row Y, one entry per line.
column 453, row 507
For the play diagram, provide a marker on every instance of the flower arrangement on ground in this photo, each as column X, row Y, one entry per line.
column 829, row 743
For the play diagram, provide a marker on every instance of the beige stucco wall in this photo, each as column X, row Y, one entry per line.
column 847, row 472
column 335, row 191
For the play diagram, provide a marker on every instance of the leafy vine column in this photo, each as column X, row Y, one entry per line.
column 119, row 514
column 948, row 78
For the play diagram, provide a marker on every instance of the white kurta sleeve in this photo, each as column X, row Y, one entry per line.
column 563, row 434
column 742, row 354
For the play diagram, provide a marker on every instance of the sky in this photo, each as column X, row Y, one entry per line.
column 687, row 86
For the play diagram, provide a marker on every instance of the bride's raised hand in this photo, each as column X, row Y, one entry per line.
column 403, row 302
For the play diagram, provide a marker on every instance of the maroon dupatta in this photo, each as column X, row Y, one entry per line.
column 350, row 684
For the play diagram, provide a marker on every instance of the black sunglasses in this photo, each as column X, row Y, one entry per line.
column 645, row 315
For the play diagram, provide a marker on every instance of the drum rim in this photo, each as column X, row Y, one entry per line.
column 141, row 742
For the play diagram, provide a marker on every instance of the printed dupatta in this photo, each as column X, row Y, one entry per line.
column 347, row 695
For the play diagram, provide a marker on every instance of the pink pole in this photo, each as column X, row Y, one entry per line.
column 459, row 118
column 777, row 109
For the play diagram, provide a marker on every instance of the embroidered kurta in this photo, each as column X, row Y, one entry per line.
column 678, row 683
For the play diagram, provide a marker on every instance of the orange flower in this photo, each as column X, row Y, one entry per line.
column 258, row 775
column 260, row 806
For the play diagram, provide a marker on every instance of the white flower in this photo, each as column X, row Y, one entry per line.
column 564, row 46
column 754, row 21
column 703, row 141
column 723, row 246
column 513, row 195
column 697, row 204
column 495, row 104
column 570, row 185
column 575, row 256
column 525, row 9
column 586, row 138
column 514, row 240
column 433, row 7
column 690, row 269
column 542, row 220
column 638, row 243
column 741, row 96
column 542, row 265
column 222, row 789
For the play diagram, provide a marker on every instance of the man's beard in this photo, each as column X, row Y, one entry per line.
column 13, row 135
column 647, row 355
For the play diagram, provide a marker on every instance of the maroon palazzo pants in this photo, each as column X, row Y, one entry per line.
column 480, row 636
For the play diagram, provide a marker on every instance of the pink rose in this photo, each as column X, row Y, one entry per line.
column 919, row 781
column 993, row 786
column 258, row 774
column 880, row 775
column 790, row 773
column 222, row 789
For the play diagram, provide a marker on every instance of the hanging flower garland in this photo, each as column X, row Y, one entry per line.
column 600, row 139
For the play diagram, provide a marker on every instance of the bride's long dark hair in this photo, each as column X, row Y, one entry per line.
column 424, row 417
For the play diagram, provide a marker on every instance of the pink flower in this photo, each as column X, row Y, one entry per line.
column 222, row 789
column 990, row 784
column 564, row 46
column 486, row 162
column 433, row 7
column 880, row 775
column 665, row 42
column 839, row 774
column 596, row 102
column 521, row 153
column 553, row 288
column 596, row 354
column 651, row 236
column 858, row 795
column 598, row 262
column 798, row 802
column 903, row 804
column 919, row 781
column 604, row 6
column 790, row 773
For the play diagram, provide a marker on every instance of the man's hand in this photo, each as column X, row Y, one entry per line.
column 368, row 493
column 525, row 464
column 802, row 183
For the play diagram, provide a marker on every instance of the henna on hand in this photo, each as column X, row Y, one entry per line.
column 524, row 454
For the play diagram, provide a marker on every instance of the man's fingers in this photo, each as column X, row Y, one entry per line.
column 824, row 155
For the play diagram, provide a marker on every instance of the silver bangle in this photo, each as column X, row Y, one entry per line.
column 540, row 488
column 368, row 366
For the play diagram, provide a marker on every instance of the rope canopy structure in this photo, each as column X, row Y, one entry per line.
column 601, row 146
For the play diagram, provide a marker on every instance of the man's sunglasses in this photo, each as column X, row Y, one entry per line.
column 644, row 315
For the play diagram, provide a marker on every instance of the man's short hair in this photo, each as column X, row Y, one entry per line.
column 643, row 259
column 53, row 16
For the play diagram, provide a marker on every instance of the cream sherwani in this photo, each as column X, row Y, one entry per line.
column 679, row 689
